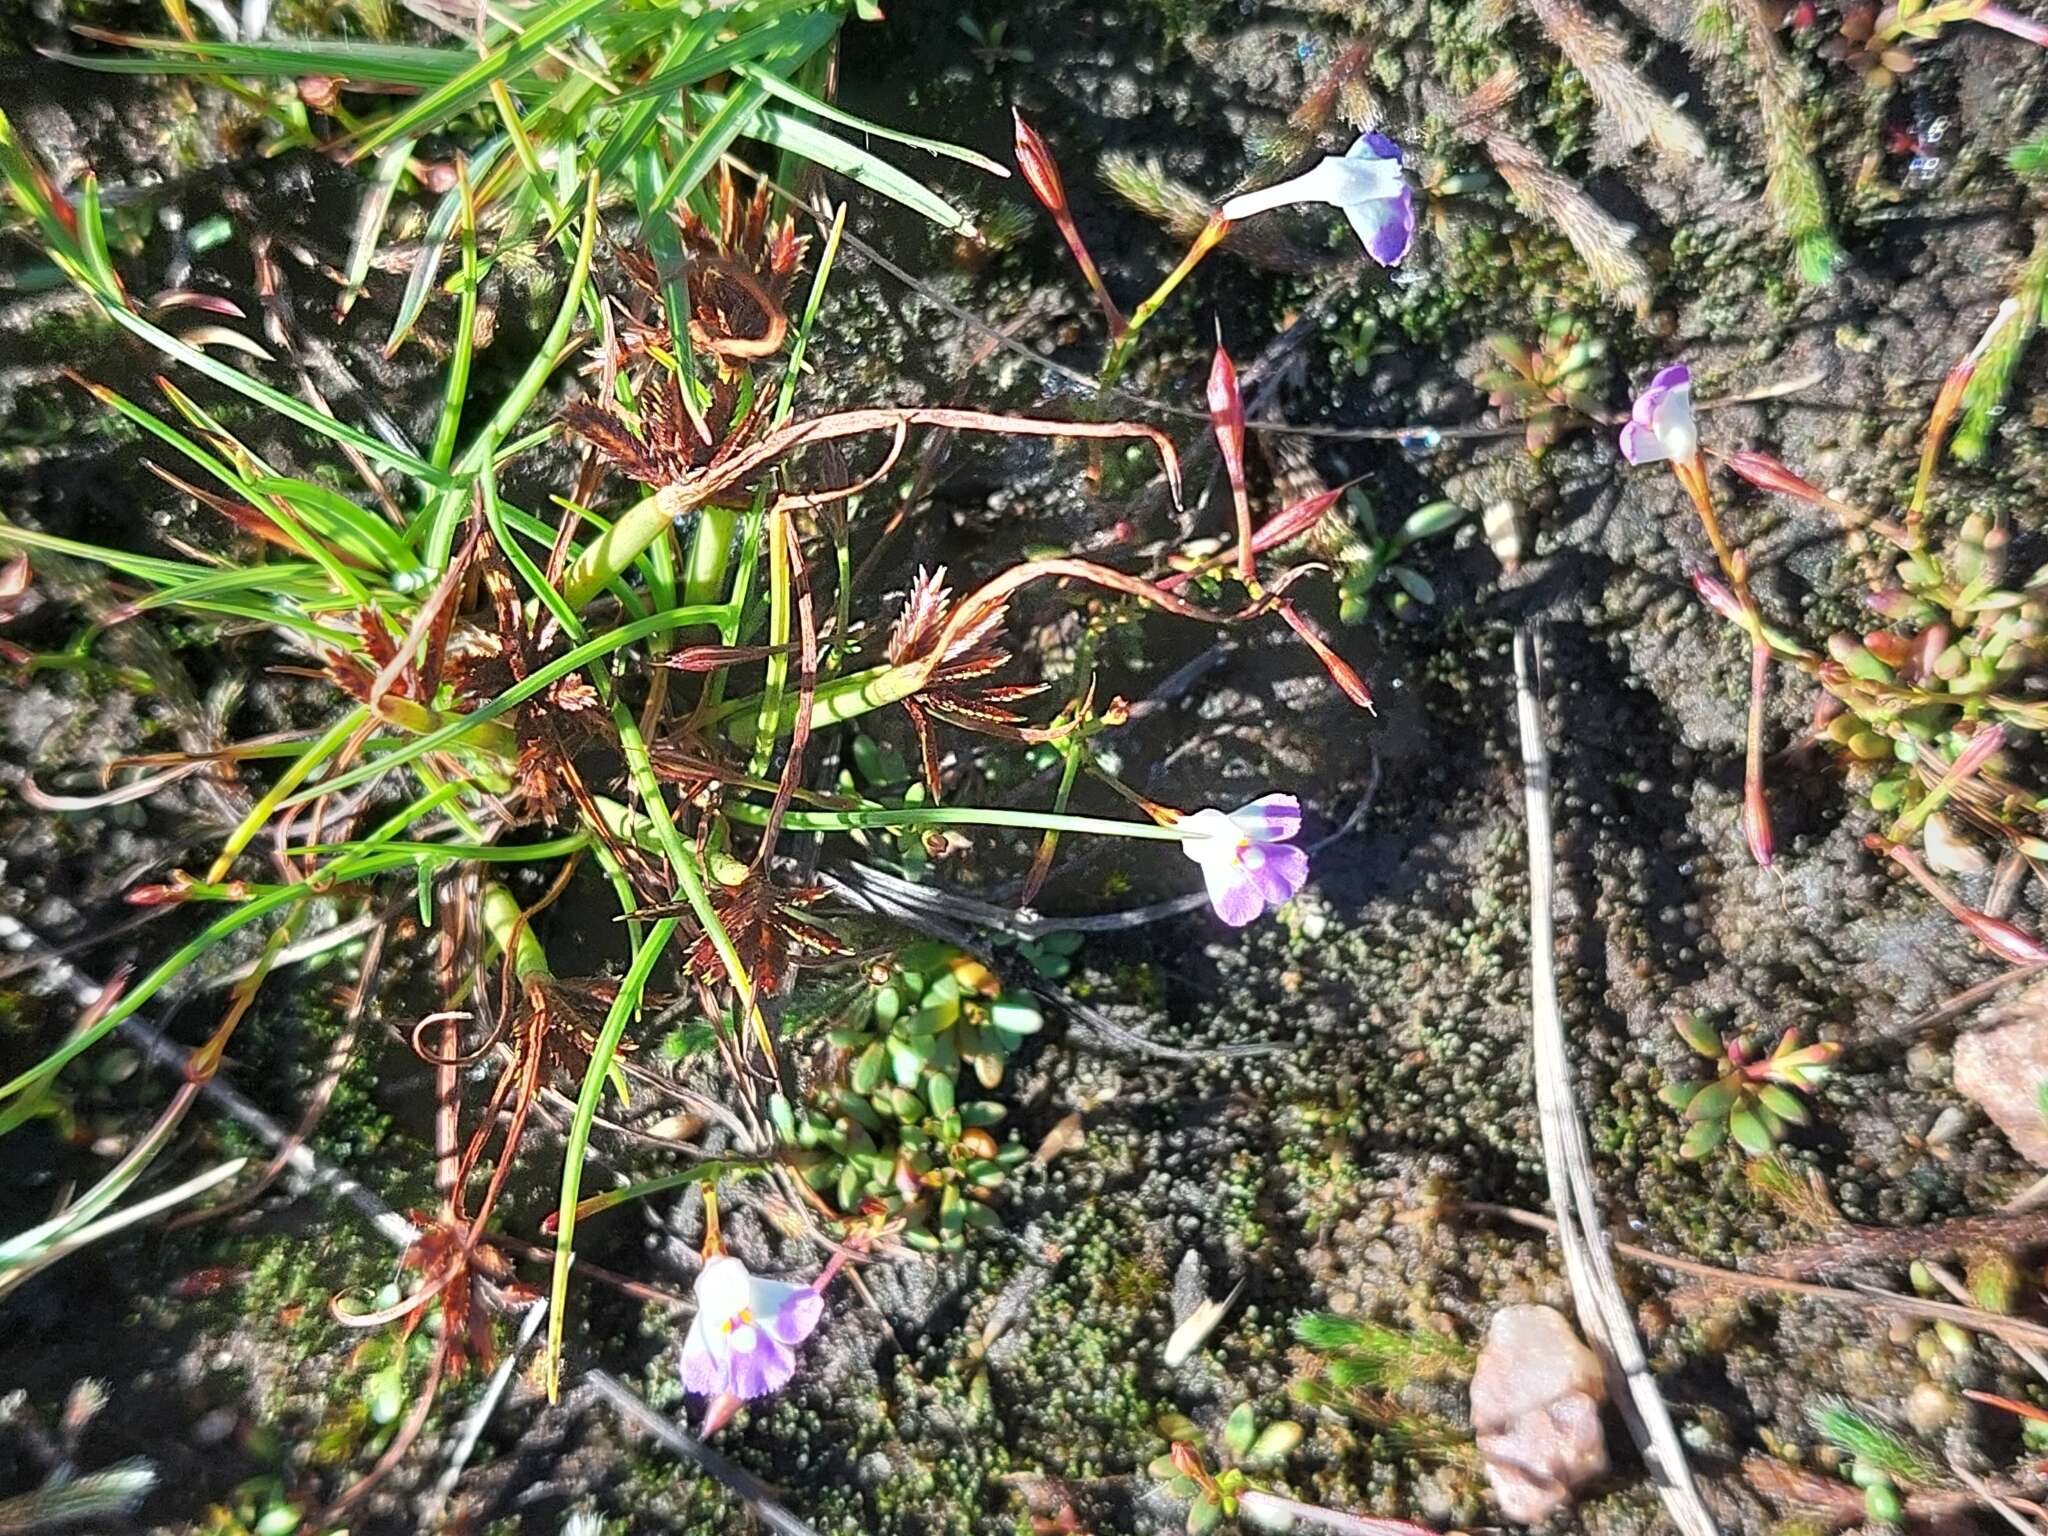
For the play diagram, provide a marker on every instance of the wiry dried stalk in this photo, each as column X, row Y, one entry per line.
column 1640, row 111
column 1603, row 1310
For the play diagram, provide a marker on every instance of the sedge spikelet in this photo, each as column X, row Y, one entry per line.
column 1601, row 240
column 1368, row 1356
column 1875, row 1445
column 1640, row 111
column 1793, row 188
column 1184, row 212
column 1984, row 396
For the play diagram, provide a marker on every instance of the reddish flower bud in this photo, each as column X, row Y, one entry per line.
column 1756, row 810
column 1769, row 474
column 1043, row 177
column 1226, row 415
column 1340, row 670
column 2009, row 943
column 1717, row 595
column 320, row 92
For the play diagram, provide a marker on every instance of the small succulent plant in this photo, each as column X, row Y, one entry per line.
column 1547, row 383
column 1752, row 1097
column 1246, row 1447
column 888, row 1126
column 1372, row 557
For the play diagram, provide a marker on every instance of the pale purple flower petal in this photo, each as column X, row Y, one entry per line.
column 704, row 1362
column 741, row 1343
column 790, row 1312
column 1247, row 857
column 761, row 1363
column 1231, row 892
column 1639, row 445
column 1365, row 183
column 1269, row 819
column 1276, row 872
column 1661, row 424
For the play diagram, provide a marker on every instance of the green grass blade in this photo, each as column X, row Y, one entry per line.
column 798, row 97
column 503, row 62
column 784, row 131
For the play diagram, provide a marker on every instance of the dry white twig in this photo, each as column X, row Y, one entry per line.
column 1567, row 1159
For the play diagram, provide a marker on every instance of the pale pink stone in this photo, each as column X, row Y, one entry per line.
column 1536, row 1399
column 2003, row 1068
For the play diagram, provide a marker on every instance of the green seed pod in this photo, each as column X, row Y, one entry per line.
column 932, row 1017
column 1698, row 1031
column 907, row 1061
column 1703, row 1139
column 1678, row 1095
column 1426, row 521
column 1856, row 658
column 1995, row 1279
column 1275, row 1443
column 1783, row 1103
column 1715, row 1100
column 856, row 1107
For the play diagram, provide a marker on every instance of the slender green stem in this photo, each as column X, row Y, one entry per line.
column 621, row 544
column 1205, row 242
column 624, row 1006
column 501, row 916
column 843, row 699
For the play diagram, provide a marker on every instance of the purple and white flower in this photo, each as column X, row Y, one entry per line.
column 742, row 1343
column 1661, row 425
column 1365, row 183
column 1248, row 857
